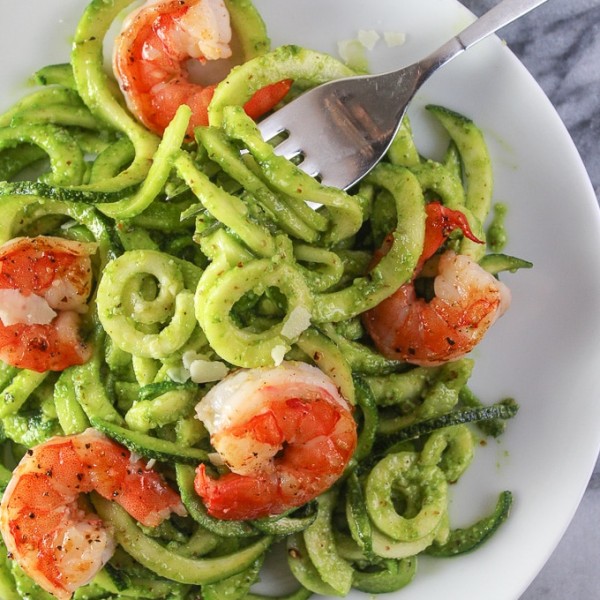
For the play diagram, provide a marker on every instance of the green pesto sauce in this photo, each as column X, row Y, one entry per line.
column 496, row 234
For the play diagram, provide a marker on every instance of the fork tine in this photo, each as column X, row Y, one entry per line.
column 271, row 127
column 310, row 167
column 349, row 123
column 289, row 148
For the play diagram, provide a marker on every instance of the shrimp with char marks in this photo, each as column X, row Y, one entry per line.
column 285, row 433
column 151, row 61
column 44, row 287
column 47, row 529
column 467, row 301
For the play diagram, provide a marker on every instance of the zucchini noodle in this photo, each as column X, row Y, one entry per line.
column 214, row 251
column 122, row 305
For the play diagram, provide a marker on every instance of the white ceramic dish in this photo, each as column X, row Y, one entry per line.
column 544, row 352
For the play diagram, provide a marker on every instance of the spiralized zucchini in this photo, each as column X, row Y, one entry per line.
column 210, row 252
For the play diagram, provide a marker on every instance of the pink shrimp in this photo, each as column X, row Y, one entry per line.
column 467, row 301
column 44, row 286
column 47, row 530
column 286, row 435
column 151, row 56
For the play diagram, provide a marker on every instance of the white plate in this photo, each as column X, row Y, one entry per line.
column 545, row 351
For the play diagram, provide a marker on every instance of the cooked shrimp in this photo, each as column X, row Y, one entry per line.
column 285, row 433
column 44, row 286
column 151, row 56
column 49, row 532
column 467, row 301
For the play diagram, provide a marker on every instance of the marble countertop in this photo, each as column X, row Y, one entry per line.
column 560, row 45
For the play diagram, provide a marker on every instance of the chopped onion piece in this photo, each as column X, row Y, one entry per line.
column 204, row 371
column 297, row 322
column 278, row 354
column 368, row 38
column 353, row 53
column 178, row 374
column 394, row 38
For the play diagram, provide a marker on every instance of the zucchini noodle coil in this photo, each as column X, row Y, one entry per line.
column 276, row 362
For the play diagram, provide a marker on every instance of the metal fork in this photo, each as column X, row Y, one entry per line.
column 341, row 129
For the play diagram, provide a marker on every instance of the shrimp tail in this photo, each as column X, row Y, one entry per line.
column 440, row 223
column 237, row 497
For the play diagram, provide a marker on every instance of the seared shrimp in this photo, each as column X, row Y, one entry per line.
column 467, row 301
column 151, row 55
column 48, row 532
column 285, row 433
column 44, row 286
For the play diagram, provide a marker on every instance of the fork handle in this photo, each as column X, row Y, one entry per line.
column 497, row 17
column 502, row 14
